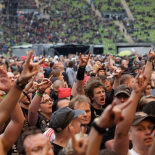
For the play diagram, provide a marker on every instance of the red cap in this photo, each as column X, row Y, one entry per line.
column 23, row 57
column 64, row 92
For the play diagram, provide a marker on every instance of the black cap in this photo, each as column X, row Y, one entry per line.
column 123, row 88
column 135, row 67
column 140, row 116
column 150, row 108
column 102, row 68
column 138, row 63
column 62, row 117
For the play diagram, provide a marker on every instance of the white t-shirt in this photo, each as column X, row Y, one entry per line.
column 132, row 152
column 50, row 134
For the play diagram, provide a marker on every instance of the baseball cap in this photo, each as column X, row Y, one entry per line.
column 138, row 63
column 62, row 117
column 140, row 116
column 102, row 68
column 123, row 88
column 150, row 108
column 135, row 67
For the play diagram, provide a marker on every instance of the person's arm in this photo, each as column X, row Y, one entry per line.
column 110, row 96
column 121, row 139
column 33, row 110
column 148, row 67
column 26, row 90
column 117, row 74
column 110, row 116
column 111, row 62
column 74, row 91
column 6, row 107
column 12, row 131
column 80, row 74
column 34, row 106
column 89, row 65
column 136, row 56
column 96, row 67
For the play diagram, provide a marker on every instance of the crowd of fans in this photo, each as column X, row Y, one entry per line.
column 109, row 5
column 76, row 104
column 69, row 22
column 83, row 105
column 29, row 4
column 76, row 22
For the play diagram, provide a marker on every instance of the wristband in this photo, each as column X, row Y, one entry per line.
column 40, row 91
column 149, row 60
column 19, row 85
column 81, row 67
column 26, row 96
column 39, row 94
column 80, row 73
column 97, row 128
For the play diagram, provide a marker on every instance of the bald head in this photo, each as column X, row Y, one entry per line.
column 58, row 83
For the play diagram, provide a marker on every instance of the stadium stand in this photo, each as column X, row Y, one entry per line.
column 70, row 22
column 142, row 28
column 109, row 5
column 29, row 4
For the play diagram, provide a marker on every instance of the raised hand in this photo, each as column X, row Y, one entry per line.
column 29, row 85
column 30, row 69
column 5, row 84
column 79, row 146
column 117, row 73
column 140, row 81
column 112, row 114
column 45, row 84
column 84, row 60
column 111, row 56
column 96, row 67
column 134, row 52
column 151, row 55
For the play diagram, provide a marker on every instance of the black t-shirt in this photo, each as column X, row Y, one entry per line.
column 109, row 98
column 95, row 113
column 42, row 123
column 108, row 135
column 57, row 148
